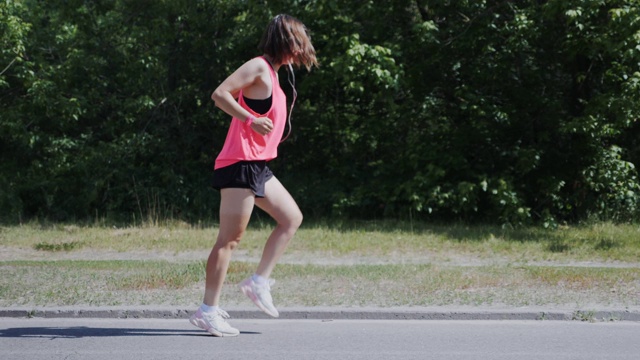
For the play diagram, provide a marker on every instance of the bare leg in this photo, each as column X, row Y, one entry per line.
column 236, row 206
column 279, row 204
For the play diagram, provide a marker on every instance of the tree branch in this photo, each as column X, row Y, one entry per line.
column 8, row 66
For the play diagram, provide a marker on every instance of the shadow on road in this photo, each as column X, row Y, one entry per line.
column 83, row 331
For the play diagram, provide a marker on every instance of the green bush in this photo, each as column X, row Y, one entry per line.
column 506, row 112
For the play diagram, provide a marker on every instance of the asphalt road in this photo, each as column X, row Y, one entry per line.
column 97, row 339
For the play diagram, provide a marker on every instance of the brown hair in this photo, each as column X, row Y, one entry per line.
column 286, row 38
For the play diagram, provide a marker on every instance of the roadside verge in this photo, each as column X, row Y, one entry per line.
column 337, row 313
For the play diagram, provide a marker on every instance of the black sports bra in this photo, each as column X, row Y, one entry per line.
column 261, row 106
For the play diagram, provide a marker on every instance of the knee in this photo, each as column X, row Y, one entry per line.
column 294, row 221
column 232, row 245
column 228, row 243
column 299, row 220
column 221, row 247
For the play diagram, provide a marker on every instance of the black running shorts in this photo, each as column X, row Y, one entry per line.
column 243, row 174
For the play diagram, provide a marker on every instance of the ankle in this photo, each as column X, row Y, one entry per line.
column 208, row 309
column 259, row 279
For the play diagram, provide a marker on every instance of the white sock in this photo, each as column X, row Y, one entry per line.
column 206, row 308
column 259, row 279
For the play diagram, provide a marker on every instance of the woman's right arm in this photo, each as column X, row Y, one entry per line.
column 226, row 93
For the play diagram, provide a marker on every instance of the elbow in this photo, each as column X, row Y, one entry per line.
column 217, row 96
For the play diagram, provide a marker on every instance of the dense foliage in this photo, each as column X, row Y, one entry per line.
column 497, row 111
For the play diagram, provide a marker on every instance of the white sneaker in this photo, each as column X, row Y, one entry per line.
column 260, row 294
column 214, row 323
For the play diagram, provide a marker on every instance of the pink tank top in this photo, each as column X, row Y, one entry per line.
column 244, row 144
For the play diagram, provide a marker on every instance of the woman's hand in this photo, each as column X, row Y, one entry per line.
column 262, row 125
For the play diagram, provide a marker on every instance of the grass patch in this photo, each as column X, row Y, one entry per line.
column 67, row 246
column 595, row 242
column 558, row 247
column 98, row 283
column 64, row 283
column 162, row 276
column 376, row 264
column 124, row 274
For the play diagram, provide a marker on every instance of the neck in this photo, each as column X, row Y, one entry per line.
column 274, row 65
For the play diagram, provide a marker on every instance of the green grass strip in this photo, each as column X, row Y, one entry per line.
column 133, row 282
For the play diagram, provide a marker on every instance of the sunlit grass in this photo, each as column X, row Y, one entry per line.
column 595, row 242
column 371, row 264
column 99, row 283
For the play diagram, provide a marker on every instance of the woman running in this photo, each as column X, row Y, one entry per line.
column 253, row 98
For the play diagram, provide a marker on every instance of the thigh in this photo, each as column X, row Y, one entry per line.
column 236, row 205
column 278, row 203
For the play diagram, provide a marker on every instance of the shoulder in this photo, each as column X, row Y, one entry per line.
column 249, row 72
column 256, row 65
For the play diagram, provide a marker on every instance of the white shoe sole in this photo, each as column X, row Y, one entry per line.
column 199, row 323
column 246, row 289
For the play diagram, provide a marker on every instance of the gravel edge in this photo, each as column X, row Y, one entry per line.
column 336, row 314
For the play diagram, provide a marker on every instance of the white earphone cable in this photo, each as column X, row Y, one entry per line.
column 291, row 77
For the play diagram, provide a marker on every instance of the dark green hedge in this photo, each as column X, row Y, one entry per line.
column 495, row 111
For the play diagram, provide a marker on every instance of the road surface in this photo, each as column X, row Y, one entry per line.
column 97, row 339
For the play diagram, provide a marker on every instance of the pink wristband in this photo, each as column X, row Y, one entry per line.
column 249, row 120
